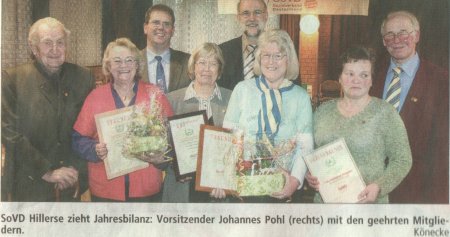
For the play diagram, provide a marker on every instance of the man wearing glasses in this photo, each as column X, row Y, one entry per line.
column 417, row 89
column 239, row 52
column 164, row 66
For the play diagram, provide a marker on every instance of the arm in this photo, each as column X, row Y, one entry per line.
column 84, row 146
column 231, row 120
column 305, row 145
column 233, row 114
column 438, row 147
column 399, row 153
column 165, row 104
column 17, row 144
column 304, row 139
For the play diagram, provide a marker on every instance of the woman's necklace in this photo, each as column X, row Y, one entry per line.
column 127, row 95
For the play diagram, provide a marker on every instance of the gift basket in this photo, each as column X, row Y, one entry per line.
column 260, row 167
column 146, row 138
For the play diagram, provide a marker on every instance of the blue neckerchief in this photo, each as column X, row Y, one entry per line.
column 269, row 119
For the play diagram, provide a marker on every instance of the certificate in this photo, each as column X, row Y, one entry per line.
column 339, row 177
column 216, row 164
column 112, row 128
column 185, row 136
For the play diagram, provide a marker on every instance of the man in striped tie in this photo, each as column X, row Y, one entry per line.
column 239, row 52
column 418, row 89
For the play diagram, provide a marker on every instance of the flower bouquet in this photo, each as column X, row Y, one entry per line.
column 146, row 138
column 259, row 168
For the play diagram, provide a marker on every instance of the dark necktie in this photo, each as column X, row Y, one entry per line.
column 160, row 77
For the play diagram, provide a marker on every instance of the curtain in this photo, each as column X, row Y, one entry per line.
column 198, row 21
column 124, row 19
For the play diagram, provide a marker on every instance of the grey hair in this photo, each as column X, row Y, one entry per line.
column 33, row 34
column 411, row 17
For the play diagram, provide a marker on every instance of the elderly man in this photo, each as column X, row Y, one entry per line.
column 418, row 89
column 239, row 52
column 164, row 66
column 40, row 102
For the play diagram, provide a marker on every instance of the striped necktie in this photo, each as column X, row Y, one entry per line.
column 160, row 77
column 249, row 61
column 393, row 93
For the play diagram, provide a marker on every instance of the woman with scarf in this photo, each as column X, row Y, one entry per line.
column 269, row 107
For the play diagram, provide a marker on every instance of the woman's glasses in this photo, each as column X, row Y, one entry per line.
column 128, row 61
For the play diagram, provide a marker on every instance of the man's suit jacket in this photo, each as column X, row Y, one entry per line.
column 425, row 114
column 179, row 77
column 233, row 71
column 37, row 121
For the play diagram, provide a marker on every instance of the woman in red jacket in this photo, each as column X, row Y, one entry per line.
column 122, row 65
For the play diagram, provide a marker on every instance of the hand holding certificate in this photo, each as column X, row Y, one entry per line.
column 135, row 136
column 340, row 180
column 112, row 130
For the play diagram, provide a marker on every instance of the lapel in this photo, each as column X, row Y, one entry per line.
column 144, row 72
column 416, row 91
column 175, row 70
column 48, row 91
column 236, row 58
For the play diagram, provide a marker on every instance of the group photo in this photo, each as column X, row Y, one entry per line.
column 225, row 102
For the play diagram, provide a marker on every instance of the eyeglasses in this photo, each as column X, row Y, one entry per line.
column 165, row 24
column 207, row 64
column 247, row 14
column 275, row 57
column 401, row 36
column 58, row 44
column 128, row 61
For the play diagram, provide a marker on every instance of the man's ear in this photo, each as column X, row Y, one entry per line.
column 417, row 37
column 34, row 49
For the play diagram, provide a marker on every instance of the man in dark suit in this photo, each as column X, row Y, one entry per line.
column 423, row 106
column 252, row 16
column 40, row 102
column 159, row 27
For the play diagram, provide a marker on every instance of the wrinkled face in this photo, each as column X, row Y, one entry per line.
column 400, row 38
column 252, row 17
column 51, row 49
column 159, row 29
column 356, row 79
column 123, row 65
column 273, row 64
column 206, row 71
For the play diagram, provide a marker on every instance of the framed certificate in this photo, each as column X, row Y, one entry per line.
column 185, row 136
column 112, row 128
column 216, row 166
column 339, row 177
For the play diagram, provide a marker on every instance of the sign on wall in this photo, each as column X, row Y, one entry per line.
column 322, row 7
